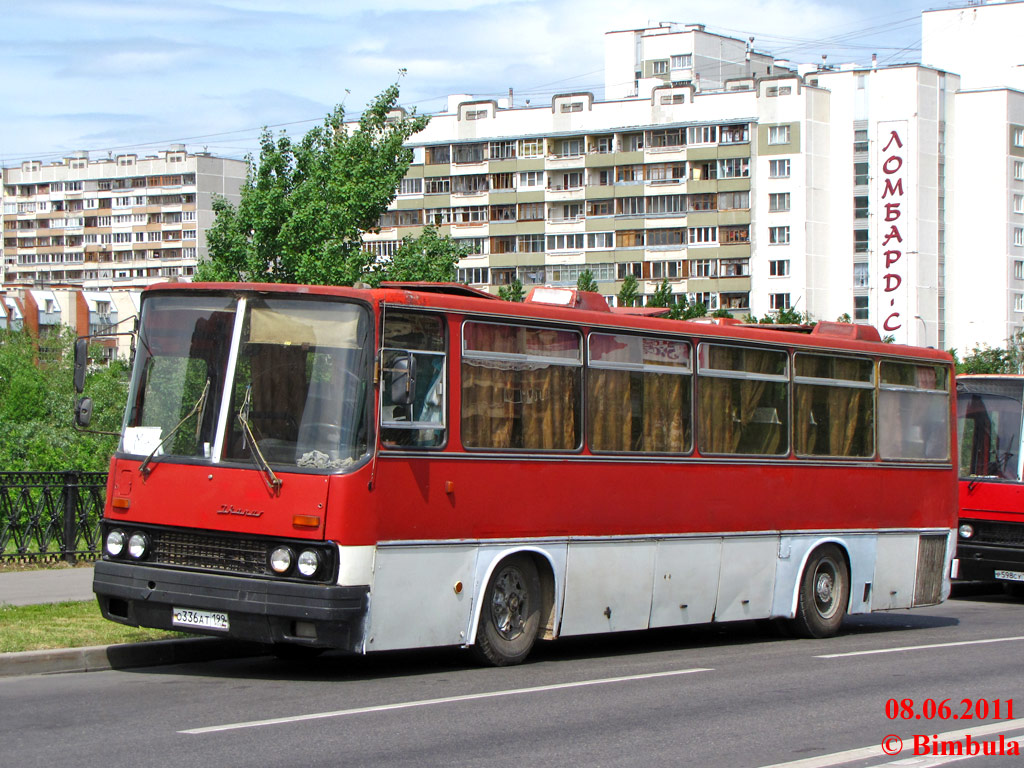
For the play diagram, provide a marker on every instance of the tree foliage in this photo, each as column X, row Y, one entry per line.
column 586, row 282
column 986, row 359
column 629, row 293
column 430, row 257
column 662, row 296
column 37, row 406
column 512, row 292
column 305, row 205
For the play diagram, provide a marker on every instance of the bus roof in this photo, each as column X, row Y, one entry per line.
column 453, row 297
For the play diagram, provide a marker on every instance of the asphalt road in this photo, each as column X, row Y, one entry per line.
column 735, row 695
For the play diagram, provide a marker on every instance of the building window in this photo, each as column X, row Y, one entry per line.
column 778, row 169
column 703, row 268
column 438, row 155
column 860, row 241
column 1018, row 235
column 1018, row 170
column 1018, row 203
column 1018, row 302
column 602, row 144
column 777, row 301
column 778, row 235
column 476, row 114
column 659, row 67
column 571, row 106
column 410, row 187
column 1018, row 137
column 772, row 91
column 733, row 201
column 861, row 274
column 860, row 207
column 860, row 141
column 860, row 174
column 778, row 268
column 682, row 61
column 634, row 268
column 501, row 150
column 531, row 147
column 473, row 276
column 703, row 235
column 860, row 307
column 1018, row 270
column 531, row 178
column 778, row 134
column 778, row 201
column 531, row 211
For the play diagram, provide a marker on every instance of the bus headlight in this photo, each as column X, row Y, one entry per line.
column 115, row 542
column 281, row 560
column 138, row 545
column 308, row 563
column 966, row 531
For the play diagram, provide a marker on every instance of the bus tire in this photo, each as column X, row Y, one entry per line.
column 509, row 613
column 824, row 593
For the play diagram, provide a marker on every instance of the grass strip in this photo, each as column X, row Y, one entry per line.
column 66, row 625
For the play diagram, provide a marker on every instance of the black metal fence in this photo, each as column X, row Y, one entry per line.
column 50, row 516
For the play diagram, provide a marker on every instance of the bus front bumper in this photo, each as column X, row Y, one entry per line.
column 980, row 563
column 258, row 610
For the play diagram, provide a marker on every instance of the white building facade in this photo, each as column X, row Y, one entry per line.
column 890, row 195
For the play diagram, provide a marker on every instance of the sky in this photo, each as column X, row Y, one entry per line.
column 114, row 76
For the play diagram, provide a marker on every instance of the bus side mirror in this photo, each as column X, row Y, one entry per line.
column 401, row 378
column 81, row 363
column 83, row 411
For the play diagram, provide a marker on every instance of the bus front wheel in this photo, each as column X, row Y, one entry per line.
column 824, row 593
column 510, row 613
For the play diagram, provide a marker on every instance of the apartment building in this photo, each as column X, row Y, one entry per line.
column 764, row 193
column 120, row 221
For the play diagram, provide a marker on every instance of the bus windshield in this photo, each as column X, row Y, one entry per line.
column 989, row 427
column 276, row 380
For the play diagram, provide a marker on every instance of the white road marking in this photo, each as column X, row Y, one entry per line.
column 875, row 750
column 446, row 700
column 920, row 647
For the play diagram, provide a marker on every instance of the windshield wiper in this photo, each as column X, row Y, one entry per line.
column 249, row 440
column 199, row 408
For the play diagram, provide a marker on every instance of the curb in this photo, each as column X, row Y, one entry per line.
column 102, row 657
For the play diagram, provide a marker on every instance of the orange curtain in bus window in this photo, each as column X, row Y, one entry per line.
column 666, row 412
column 850, row 416
column 489, row 390
column 550, row 392
column 610, row 399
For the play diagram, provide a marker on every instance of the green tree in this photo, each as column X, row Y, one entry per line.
column 662, row 296
column 37, row 406
column 430, row 257
column 512, row 292
column 306, row 204
column 986, row 359
column 629, row 293
column 586, row 282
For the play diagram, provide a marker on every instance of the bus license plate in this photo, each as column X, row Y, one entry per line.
column 188, row 617
column 1009, row 575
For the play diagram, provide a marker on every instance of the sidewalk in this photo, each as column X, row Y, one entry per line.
column 46, row 585
column 55, row 585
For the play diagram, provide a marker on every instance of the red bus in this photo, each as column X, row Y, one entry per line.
column 989, row 421
column 425, row 465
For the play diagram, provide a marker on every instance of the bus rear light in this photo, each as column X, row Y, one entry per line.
column 306, row 521
column 281, row 560
column 966, row 531
column 116, row 540
column 120, row 503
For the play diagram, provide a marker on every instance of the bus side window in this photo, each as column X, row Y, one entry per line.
column 413, row 388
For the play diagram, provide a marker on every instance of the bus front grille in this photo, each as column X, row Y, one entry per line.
column 210, row 552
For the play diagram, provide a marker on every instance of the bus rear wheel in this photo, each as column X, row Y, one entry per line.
column 510, row 613
column 824, row 593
